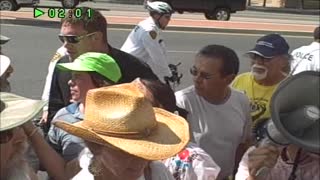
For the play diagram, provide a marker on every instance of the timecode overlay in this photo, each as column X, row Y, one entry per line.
column 63, row 13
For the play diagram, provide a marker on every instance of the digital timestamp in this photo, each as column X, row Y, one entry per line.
column 63, row 13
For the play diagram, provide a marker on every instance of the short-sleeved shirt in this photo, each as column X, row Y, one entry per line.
column 67, row 145
column 259, row 96
column 306, row 58
column 217, row 129
column 146, row 43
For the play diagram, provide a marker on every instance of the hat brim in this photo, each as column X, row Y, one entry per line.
column 267, row 53
column 4, row 39
column 169, row 137
column 74, row 66
column 17, row 110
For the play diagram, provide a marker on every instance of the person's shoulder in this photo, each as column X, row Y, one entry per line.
column 61, row 52
column 120, row 55
column 189, row 91
column 66, row 115
column 245, row 75
column 238, row 93
column 148, row 24
column 241, row 78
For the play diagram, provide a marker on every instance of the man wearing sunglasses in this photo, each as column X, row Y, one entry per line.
column 218, row 115
column 270, row 64
column 15, row 111
column 145, row 40
column 89, row 34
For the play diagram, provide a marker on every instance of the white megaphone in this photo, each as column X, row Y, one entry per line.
column 295, row 112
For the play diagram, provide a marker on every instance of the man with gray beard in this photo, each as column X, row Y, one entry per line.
column 270, row 64
column 15, row 111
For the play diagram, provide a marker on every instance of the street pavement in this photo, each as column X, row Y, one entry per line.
column 126, row 16
column 32, row 47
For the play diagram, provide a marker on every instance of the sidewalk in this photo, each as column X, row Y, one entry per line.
column 177, row 23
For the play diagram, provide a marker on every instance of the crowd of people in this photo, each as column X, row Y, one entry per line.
column 108, row 113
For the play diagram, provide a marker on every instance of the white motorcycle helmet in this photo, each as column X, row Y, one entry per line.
column 159, row 7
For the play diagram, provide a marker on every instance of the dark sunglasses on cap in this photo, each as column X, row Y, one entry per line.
column 203, row 75
column 72, row 38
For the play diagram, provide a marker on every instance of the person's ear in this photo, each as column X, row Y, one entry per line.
column 229, row 78
column 97, row 36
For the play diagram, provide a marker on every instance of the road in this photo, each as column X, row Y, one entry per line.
column 110, row 9
column 32, row 47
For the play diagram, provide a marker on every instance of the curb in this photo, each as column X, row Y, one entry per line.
column 56, row 24
column 284, row 10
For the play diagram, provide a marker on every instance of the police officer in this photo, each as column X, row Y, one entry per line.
column 307, row 58
column 145, row 40
column 62, row 51
column 6, row 68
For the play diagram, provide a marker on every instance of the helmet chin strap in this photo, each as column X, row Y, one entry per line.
column 157, row 21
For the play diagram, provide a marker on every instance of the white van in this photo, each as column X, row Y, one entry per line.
column 13, row 5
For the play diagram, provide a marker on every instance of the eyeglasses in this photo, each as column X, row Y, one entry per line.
column 203, row 75
column 72, row 38
column 259, row 58
column 6, row 136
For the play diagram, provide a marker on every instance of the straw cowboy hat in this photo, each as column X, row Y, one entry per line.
column 16, row 110
column 123, row 117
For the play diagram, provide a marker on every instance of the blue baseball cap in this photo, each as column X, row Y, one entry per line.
column 270, row 46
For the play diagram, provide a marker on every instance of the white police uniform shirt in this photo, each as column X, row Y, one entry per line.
column 62, row 51
column 145, row 42
column 306, row 58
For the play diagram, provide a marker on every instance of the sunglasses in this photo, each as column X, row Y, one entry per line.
column 258, row 57
column 72, row 38
column 6, row 136
column 203, row 75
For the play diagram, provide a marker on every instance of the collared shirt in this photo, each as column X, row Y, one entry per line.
column 146, row 43
column 67, row 145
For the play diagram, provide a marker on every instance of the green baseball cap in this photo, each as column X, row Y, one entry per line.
column 101, row 63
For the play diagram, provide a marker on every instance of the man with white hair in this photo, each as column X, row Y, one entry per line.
column 270, row 64
column 15, row 111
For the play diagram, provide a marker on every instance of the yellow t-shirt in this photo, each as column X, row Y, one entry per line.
column 259, row 96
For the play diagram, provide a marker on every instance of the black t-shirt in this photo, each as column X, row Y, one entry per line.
column 131, row 68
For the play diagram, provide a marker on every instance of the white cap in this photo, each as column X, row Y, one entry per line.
column 5, row 63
